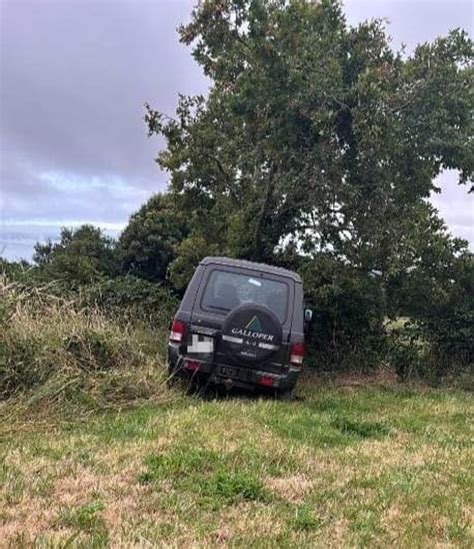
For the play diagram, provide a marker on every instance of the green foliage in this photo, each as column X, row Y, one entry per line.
column 362, row 429
column 19, row 369
column 130, row 297
column 236, row 486
column 313, row 130
column 90, row 527
column 435, row 348
column 125, row 297
column 217, row 478
column 348, row 312
column 304, row 519
column 432, row 270
column 148, row 244
column 81, row 256
column 84, row 517
column 14, row 270
column 437, row 295
column 406, row 353
column 317, row 148
column 189, row 254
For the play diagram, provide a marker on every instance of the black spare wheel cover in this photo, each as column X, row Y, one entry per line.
column 251, row 333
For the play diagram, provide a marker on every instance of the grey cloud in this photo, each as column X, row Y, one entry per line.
column 412, row 22
column 63, row 197
column 77, row 74
column 455, row 206
column 74, row 77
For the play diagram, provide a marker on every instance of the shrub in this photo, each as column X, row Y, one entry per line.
column 437, row 297
column 347, row 331
column 81, row 256
column 130, row 297
column 433, row 349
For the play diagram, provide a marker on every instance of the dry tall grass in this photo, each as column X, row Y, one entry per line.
column 55, row 351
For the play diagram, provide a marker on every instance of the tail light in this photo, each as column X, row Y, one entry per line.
column 266, row 380
column 192, row 365
column 178, row 329
column 297, row 354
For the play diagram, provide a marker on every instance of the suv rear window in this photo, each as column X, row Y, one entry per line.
column 225, row 291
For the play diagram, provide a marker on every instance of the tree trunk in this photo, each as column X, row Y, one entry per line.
column 258, row 253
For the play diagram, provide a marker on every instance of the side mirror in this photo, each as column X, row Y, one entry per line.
column 308, row 315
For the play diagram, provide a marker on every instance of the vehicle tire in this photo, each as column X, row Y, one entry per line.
column 286, row 394
column 251, row 333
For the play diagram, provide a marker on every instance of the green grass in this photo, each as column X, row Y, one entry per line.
column 350, row 466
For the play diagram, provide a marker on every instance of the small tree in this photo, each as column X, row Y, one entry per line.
column 81, row 255
column 148, row 244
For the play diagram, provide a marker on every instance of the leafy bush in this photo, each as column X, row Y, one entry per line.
column 130, row 297
column 80, row 257
column 439, row 339
column 347, row 330
column 434, row 350
column 124, row 296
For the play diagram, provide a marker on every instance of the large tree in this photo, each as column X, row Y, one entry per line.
column 315, row 135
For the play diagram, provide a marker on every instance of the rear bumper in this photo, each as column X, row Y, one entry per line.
column 241, row 376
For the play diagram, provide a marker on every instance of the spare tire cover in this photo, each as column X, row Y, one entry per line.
column 251, row 333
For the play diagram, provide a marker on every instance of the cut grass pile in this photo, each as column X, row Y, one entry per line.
column 340, row 466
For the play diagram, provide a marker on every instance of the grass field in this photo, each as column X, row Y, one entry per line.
column 340, row 466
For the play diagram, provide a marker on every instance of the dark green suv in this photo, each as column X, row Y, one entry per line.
column 240, row 324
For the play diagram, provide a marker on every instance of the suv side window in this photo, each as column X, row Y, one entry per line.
column 226, row 290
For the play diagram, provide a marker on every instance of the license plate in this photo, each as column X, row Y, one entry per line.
column 200, row 344
column 228, row 371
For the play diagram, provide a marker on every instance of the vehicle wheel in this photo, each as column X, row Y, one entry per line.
column 196, row 385
column 286, row 394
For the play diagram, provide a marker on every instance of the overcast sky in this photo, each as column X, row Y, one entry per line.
column 74, row 77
